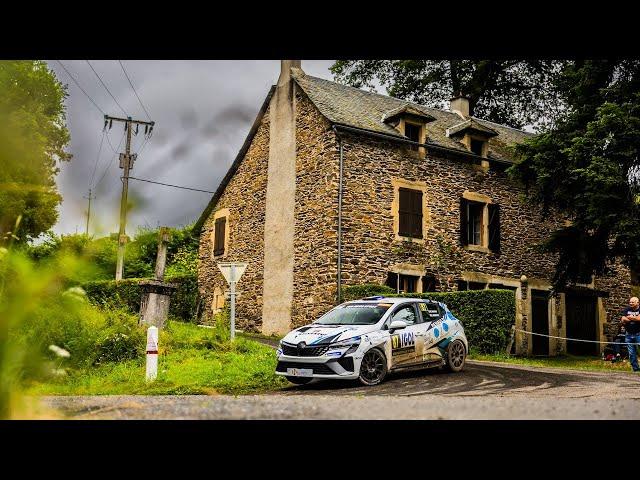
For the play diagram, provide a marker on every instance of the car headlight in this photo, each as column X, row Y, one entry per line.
column 355, row 341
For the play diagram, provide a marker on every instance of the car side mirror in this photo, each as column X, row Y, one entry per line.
column 397, row 325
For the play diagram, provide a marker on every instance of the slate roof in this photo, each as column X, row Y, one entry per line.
column 357, row 108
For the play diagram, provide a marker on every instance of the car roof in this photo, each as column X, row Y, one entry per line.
column 393, row 300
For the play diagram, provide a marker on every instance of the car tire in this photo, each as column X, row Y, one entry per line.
column 373, row 368
column 299, row 380
column 456, row 356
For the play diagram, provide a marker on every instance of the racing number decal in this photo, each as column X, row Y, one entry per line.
column 402, row 343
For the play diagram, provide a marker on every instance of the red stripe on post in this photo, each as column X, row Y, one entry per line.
column 152, row 352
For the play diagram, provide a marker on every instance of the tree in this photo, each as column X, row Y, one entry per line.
column 586, row 167
column 510, row 92
column 33, row 136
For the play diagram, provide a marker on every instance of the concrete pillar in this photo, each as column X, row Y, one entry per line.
column 161, row 259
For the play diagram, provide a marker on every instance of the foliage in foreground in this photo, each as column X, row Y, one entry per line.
column 192, row 360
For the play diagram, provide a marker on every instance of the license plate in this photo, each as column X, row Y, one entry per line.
column 300, row 372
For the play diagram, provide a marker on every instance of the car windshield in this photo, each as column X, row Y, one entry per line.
column 354, row 314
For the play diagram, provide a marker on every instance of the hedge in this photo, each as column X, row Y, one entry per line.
column 128, row 293
column 487, row 315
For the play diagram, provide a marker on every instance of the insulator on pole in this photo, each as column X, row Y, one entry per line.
column 146, row 129
column 105, row 124
column 110, row 123
column 137, row 127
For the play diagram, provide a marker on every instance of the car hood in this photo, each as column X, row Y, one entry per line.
column 325, row 334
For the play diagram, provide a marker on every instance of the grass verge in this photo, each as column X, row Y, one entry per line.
column 565, row 361
column 192, row 360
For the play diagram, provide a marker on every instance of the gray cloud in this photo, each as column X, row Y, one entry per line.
column 203, row 111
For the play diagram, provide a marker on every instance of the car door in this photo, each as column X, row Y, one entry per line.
column 406, row 342
column 431, row 316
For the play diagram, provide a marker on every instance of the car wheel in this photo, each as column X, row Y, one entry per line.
column 456, row 355
column 299, row 380
column 373, row 368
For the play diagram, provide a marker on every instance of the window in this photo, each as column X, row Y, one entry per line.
column 402, row 283
column 464, row 285
column 475, row 212
column 219, row 236
column 410, row 213
column 429, row 311
column 412, row 132
column 480, row 224
column 407, row 314
column 500, row 286
column 477, row 146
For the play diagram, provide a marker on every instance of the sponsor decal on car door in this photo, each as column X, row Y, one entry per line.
column 404, row 342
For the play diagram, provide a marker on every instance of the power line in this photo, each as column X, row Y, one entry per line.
column 110, row 162
column 105, row 87
column 81, row 89
column 95, row 166
column 169, row 185
column 134, row 90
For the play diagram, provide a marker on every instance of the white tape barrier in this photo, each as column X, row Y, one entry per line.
column 152, row 353
column 574, row 339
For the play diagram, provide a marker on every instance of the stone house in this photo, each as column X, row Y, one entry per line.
column 337, row 186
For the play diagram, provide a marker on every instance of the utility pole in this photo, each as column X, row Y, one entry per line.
column 126, row 163
column 89, row 211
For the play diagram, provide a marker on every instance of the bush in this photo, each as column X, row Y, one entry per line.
column 487, row 315
column 128, row 293
column 122, row 340
column 355, row 292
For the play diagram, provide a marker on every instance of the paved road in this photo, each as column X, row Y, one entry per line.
column 482, row 391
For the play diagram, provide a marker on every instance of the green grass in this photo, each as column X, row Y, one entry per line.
column 565, row 361
column 192, row 360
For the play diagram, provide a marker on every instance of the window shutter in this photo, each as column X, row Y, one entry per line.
column 494, row 227
column 464, row 221
column 404, row 212
column 218, row 248
column 410, row 213
column 417, row 214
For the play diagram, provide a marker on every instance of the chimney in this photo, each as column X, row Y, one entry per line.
column 285, row 70
column 459, row 104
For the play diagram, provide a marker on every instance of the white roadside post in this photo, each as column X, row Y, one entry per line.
column 232, row 273
column 152, row 353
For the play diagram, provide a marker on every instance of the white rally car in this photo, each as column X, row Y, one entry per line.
column 366, row 339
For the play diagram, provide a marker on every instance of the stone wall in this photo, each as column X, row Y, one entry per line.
column 316, row 214
column 244, row 196
column 370, row 246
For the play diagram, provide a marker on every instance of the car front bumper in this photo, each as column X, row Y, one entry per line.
column 346, row 367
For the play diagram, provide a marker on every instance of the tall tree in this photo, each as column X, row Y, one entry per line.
column 510, row 92
column 587, row 167
column 33, row 136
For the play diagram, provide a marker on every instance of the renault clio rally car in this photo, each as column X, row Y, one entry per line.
column 365, row 339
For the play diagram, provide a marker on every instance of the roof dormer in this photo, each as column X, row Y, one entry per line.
column 410, row 121
column 473, row 135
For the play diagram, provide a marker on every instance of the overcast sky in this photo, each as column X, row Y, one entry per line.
column 203, row 111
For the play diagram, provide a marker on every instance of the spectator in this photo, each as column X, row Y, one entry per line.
column 631, row 322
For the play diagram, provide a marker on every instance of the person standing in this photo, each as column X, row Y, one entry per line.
column 631, row 322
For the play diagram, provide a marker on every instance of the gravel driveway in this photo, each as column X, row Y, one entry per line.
column 484, row 390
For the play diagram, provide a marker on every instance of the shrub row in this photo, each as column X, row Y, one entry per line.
column 128, row 293
column 487, row 315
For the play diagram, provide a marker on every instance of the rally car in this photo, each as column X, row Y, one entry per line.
column 365, row 339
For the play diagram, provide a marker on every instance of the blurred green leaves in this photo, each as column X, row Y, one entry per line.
column 33, row 136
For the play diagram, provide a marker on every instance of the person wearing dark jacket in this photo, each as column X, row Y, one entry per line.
column 631, row 322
